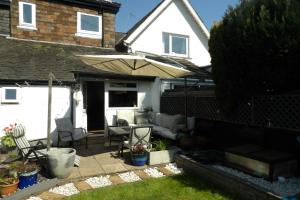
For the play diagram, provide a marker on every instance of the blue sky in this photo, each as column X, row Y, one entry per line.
column 133, row 10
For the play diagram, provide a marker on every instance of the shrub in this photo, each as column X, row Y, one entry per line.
column 255, row 51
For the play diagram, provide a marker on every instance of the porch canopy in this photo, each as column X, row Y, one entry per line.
column 134, row 65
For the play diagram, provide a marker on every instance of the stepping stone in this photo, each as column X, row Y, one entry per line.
column 51, row 196
column 115, row 179
column 165, row 171
column 143, row 175
column 82, row 186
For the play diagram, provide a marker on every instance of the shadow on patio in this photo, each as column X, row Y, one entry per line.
column 100, row 158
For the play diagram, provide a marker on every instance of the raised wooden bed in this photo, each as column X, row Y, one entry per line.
column 234, row 185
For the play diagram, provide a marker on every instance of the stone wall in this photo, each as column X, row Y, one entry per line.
column 57, row 22
column 4, row 20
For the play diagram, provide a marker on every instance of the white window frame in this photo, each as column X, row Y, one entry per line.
column 22, row 24
column 171, row 53
column 85, row 33
column 124, row 89
column 3, row 94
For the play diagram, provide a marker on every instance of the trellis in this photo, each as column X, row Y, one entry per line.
column 278, row 111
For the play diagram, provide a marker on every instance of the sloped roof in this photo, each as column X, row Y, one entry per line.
column 33, row 61
column 152, row 13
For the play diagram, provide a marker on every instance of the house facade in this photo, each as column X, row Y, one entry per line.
column 42, row 36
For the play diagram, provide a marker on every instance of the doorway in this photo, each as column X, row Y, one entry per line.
column 95, row 106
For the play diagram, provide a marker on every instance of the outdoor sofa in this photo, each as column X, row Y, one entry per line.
column 164, row 125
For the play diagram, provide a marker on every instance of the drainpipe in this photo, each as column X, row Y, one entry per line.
column 100, row 11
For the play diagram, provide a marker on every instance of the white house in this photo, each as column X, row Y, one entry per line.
column 172, row 29
column 88, row 95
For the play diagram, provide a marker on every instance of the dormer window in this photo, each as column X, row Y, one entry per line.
column 27, row 15
column 89, row 26
column 175, row 45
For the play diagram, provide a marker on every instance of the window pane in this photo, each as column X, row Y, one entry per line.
column 27, row 13
column 123, row 85
column 10, row 94
column 178, row 45
column 166, row 43
column 89, row 23
column 122, row 98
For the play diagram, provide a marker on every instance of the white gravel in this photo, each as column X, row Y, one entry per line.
column 129, row 177
column 173, row 168
column 97, row 182
column 289, row 187
column 34, row 198
column 67, row 189
column 153, row 172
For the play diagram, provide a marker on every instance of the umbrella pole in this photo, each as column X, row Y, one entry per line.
column 50, row 80
column 185, row 103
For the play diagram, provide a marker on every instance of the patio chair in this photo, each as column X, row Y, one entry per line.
column 67, row 132
column 138, row 135
column 28, row 151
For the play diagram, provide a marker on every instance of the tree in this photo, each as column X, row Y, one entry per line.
column 255, row 50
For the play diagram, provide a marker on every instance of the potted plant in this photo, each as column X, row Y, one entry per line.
column 139, row 155
column 8, row 181
column 162, row 152
column 28, row 174
column 7, row 141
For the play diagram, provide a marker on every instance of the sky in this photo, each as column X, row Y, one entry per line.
column 132, row 11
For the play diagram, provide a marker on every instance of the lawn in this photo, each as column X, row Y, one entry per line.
column 183, row 187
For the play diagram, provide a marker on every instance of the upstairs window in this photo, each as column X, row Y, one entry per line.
column 10, row 95
column 27, row 15
column 89, row 26
column 176, row 45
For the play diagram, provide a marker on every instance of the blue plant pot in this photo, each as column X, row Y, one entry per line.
column 139, row 159
column 28, row 179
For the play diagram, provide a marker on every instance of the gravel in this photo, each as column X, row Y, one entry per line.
column 153, row 172
column 97, row 182
column 34, row 198
column 67, row 189
column 288, row 187
column 129, row 177
column 173, row 168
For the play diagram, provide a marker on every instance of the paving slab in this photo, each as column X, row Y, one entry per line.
column 82, row 186
column 116, row 180
column 91, row 171
column 165, row 171
column 113, row 168
column 143, row 175
column 74, row 174
column 51, row 196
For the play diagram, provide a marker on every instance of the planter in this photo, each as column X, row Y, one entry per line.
column 7, row 190
column 61, row 161
column 28, row 179
column 139, row 159
column 161, row 157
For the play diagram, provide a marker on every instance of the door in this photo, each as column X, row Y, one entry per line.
column 95, row 106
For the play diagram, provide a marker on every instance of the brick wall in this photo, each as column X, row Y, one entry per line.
column 4, row 20
column 57, row 22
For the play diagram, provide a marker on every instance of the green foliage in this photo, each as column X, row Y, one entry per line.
column 160, row 145
column 183, row 187
column 7, row 139
column 255, row 51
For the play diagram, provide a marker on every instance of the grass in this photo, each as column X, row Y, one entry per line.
column 181, row 187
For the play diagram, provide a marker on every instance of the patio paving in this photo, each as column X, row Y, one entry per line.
column 100, row 159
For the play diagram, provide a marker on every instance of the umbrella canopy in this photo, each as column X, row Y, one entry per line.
column 134, row 65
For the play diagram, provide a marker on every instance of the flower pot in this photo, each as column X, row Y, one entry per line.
column 28, row 179
column 139, row 159
column 7, row 190
column 61, row 161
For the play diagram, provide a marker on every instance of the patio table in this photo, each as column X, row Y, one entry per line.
column 118, row 132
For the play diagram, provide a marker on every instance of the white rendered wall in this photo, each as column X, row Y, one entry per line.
column 174, row 19
column 32, row 110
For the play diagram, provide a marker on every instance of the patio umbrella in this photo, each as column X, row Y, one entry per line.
column 134, row 65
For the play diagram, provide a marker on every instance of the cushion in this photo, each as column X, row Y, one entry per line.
column 158, row 119
column 127, row 115
column 122, row 122
column 169, row 121
column 164, row 132
column 141, row 117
